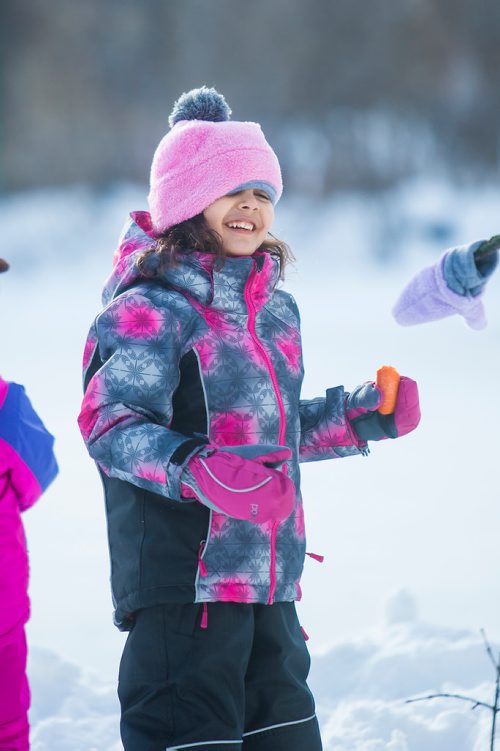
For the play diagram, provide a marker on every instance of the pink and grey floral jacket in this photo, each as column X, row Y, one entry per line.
column 196, row 355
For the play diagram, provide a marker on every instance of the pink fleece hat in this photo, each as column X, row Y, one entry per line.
column 206, row 156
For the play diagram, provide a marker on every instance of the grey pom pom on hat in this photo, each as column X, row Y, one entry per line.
column 200, row 104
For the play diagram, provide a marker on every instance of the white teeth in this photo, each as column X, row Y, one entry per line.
column 240, row 225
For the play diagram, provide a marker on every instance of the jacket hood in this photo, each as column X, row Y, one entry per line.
column 194, row 274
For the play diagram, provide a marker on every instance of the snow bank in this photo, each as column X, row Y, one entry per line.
column 360, row 688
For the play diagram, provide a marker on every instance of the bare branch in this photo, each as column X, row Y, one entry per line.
column 475, row 702
column 489, row 650
column 494, row 708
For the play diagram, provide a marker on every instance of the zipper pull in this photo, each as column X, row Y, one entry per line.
column 201, row 563
column 299, row 591
column 204, row 616
column 316, row 557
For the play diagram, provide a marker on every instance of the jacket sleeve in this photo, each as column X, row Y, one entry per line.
column 325, row 432
column 27, row 460
column 127, row 407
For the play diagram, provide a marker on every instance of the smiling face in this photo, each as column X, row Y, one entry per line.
column 242, row 220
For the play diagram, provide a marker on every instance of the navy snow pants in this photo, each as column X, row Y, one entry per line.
column 237, row 685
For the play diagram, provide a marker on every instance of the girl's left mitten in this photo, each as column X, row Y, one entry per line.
column 369, row 424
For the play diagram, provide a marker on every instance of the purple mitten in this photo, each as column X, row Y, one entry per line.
column 427, row 297
column 370, row 425
column 244, row 488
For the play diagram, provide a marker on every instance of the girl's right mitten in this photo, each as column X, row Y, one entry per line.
column 244, row 488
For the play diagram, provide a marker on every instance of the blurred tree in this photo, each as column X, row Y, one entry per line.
column 349, row 94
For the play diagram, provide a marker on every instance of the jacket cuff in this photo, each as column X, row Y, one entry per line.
column 466, row 304
column 463, row 274
column 179, row 459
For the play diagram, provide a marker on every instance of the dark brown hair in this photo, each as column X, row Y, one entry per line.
column 195, row 234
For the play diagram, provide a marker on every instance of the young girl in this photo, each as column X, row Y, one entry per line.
column 454, row 285
column 27, row 467
column 192, row 412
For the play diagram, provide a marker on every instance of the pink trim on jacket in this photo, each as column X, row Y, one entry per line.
column 4, row 387
column 281, row 409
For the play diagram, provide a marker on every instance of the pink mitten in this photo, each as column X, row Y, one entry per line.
column 370, row 425
column 244, row 488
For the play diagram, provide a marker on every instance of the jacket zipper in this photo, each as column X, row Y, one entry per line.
column 272, row 564
column 253, row 333
column 201, row 563
column 201, row 569
column 281, row 409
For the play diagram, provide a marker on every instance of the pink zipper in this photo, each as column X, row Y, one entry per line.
column 281, row 408
column 251, row 328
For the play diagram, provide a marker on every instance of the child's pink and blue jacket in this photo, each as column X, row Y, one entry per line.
column 27, row 467
column 198, row 354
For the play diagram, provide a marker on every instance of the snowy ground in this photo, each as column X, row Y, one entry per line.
column 360, row 687
column 419, row 517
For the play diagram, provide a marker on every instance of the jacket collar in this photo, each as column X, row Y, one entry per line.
column 195, row 274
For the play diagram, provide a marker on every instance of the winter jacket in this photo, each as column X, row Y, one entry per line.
column 198, row 355
column 27, row 467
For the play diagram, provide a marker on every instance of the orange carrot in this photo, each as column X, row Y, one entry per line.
column 388, row 383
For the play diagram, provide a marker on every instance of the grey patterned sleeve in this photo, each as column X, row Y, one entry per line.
column 127, row 408
column 325, row 430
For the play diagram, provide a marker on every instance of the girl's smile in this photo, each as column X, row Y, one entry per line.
column 242, row 220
